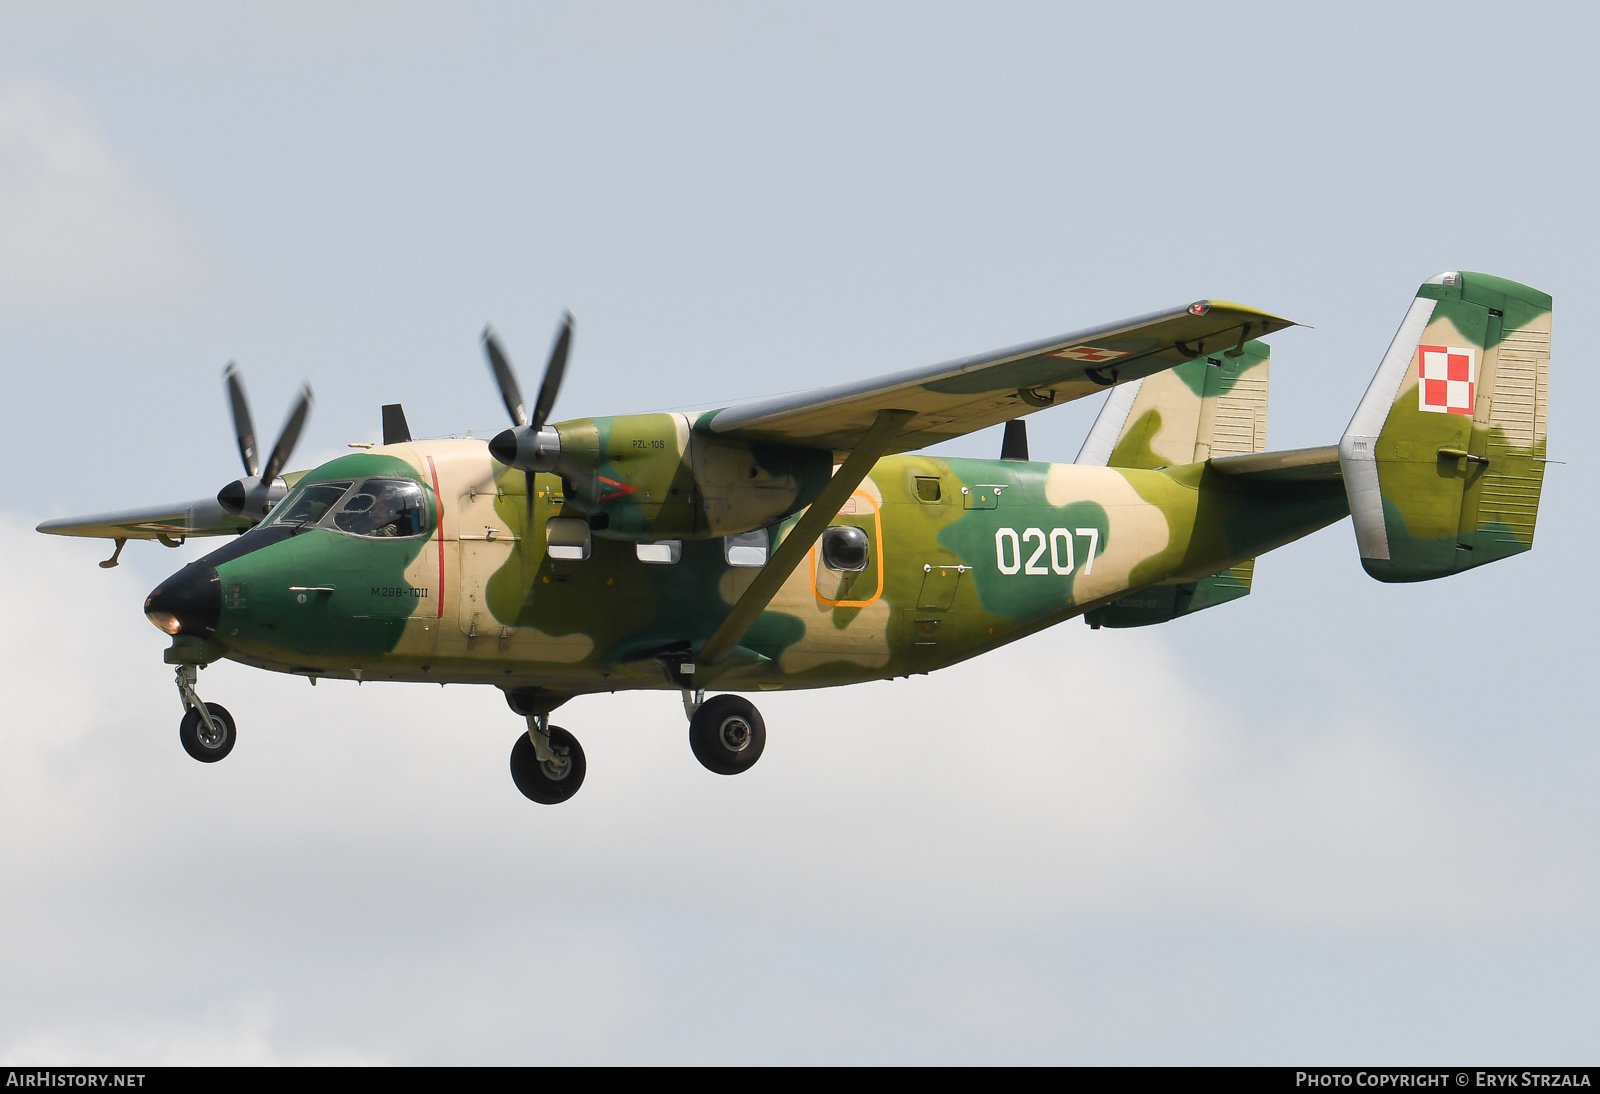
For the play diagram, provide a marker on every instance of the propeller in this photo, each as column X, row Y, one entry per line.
column 243, row 427
column 261, row 488
column 528, row 444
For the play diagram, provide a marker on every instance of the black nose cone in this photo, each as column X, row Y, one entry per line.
column 189, row 602
column 504, row 446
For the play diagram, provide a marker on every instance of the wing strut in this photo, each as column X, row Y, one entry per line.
column 877, row 440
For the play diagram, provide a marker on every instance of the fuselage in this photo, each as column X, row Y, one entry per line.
column 962, row 556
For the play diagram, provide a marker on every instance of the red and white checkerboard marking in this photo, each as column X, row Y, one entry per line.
column 1448, row 378
column 1090, row 353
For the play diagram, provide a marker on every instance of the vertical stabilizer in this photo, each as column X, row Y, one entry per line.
column 1444, row 459
column 1211, row 406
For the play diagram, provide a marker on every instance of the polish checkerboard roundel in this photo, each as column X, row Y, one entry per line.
column 1447, row 379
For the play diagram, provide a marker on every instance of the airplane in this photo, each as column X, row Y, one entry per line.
column 804, row 540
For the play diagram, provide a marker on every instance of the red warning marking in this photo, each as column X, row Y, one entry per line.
column 622, row 489
column 438, row 500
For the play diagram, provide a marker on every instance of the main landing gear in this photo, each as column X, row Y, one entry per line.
column 726, row 734
column 547, row 762
column 207, row 731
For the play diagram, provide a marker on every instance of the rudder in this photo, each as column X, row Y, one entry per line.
column 1444, row 459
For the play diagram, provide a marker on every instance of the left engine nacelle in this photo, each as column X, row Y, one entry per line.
column 652, row 476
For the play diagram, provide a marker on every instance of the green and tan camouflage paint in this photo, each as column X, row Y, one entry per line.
column 1458, row 490
column 998, row 550
column 964, row 555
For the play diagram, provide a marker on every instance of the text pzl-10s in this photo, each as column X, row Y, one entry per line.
column 802, row 541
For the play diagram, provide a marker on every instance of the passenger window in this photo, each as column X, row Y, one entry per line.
column 663, row 552
column 927, row 489
column 844, row 547
column 567, row 538
column 746, row 549
column 311, row 505
column 384, row 509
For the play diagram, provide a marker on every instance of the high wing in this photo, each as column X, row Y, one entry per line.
column 972, row 393
column 205, row 517
column 236, row 508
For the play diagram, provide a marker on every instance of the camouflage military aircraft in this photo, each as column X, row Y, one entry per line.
column 802, row 541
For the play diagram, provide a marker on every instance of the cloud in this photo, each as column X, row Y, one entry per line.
column 244, row 1037
column 359, row 879
column 82, row 228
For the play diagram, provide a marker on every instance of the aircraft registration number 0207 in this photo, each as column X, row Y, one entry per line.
column 1009, row 547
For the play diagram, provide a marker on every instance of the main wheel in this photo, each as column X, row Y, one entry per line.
column 554, row 781
column 200, row 742
column 727, row 734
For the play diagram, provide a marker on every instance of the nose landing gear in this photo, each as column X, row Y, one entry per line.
column 726, row 733
column 207, row 731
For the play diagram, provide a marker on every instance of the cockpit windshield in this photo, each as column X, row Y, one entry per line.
column 309, row 505
column 384, row 508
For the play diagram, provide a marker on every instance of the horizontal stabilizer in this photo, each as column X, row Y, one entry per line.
column 1163, row 603
column 1292, row 465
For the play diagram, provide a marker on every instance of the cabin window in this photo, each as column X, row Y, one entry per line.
column 746, row 549
column 384, row 509
column 309, row 504
column 927, row 488
column 844, row 547
column 567, row 538
column 665, row 552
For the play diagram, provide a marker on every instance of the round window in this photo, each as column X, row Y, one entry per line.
column 844, row 547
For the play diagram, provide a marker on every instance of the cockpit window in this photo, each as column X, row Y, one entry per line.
column 311, row 504
column 384, row 508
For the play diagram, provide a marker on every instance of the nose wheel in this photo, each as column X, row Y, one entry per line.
column 207, row 740
column 547, row 762
column 207, row 731
column 727, row 734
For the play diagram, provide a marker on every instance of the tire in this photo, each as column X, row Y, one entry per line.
column 192, row 733
column 727, row 734
column 537, row 781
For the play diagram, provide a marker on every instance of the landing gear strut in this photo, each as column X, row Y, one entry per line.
column 726, row 732
column 547, row 762
column 207, row 731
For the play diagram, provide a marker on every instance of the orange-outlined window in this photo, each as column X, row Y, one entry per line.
column 877, row 552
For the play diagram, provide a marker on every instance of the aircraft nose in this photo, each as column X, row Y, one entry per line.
column 189, row 602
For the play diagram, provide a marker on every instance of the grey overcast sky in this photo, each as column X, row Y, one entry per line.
column 1334, row 822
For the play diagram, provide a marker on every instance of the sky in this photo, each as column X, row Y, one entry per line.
column 1334, row 822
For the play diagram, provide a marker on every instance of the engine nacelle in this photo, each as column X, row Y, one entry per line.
column 652, row 476
column 251, row 498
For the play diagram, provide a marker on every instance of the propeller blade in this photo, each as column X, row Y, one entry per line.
column 505, row 378
column 553, row 372
column 243, row 427
column 288, row 436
